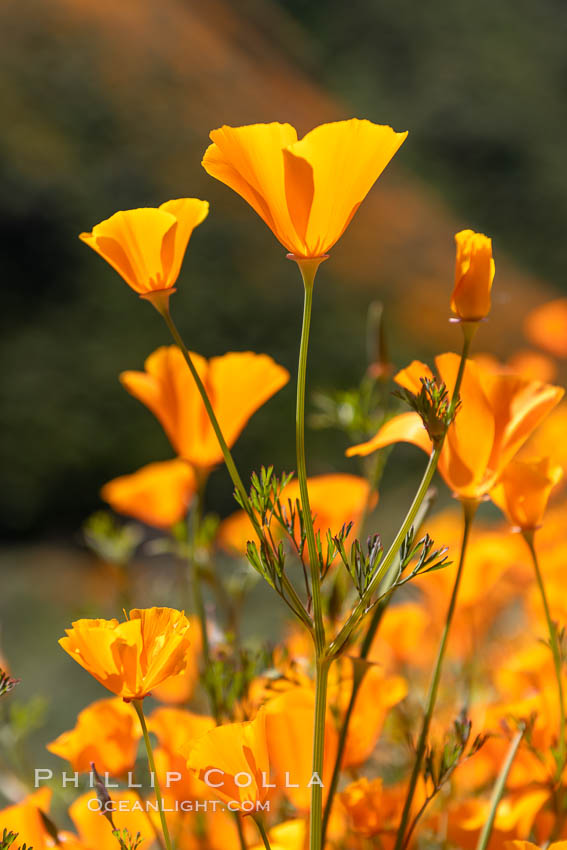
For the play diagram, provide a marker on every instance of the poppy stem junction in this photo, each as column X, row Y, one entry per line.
column 137, row 703
column 469, row 511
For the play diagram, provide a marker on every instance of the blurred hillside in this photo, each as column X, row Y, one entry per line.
column 108, row 106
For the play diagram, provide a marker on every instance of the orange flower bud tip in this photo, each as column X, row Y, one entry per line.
column 159, row 298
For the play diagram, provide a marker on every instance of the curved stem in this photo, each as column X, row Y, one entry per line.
column 240, row 831
column 294, row 601
column 556, row 650
column 498, row 791
column 263, row 834
column 137, row 703
column 469, row 511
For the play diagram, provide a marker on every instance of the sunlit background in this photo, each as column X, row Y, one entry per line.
column 108, row 106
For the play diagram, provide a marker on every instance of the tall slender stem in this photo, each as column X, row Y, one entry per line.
column 137, row 703
column 556, row 650
column 498, row 791
column 240, row 830
column 469, row 511
column 262, row 830
column 308, row 268
column 294, row 600
column 308, row 273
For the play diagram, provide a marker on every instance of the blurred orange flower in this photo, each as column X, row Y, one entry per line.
column 289, row 835
column 174, row 727
column 335, row 499
column 499, row 412
column 546, row 326
column 95, row 830
column 377, row 694
column 238, row 383
column 158, row 494
column 371, row 808
column 25, row 819
column 131, row 658
column 474, row 273
column 233, row 762
column 306, row 191
column 146, row 246
column 289, row 729
column 106, row 733
column 523, row 491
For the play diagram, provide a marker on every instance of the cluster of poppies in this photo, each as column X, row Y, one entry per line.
column 417, row 695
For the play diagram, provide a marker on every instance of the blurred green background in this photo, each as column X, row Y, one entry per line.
column 108, row 106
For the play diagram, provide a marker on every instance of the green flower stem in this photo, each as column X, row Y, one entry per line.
column 498, row 791
column 240, row 831
column 469, row 511
column 296, row 604
column 556, row 650
column 137, row 703
column 316, row 815
column 308, row 270
column 262, row 830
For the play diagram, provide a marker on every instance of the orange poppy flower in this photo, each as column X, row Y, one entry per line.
column 546, row 326
column 146, row 246
column 499, row 412
column 474, row 273
column 232, row 761
column 158, row 494
column 306, row 191
column 107, row 733
column 334, row 499
column 133, row 657
column 95, row 830
column 238, row 383
column 523, row 491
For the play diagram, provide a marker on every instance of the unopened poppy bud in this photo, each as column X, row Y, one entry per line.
column 474, row 273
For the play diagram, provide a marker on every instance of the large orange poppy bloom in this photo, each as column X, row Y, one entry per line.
column 498, row 414
column 238, row 383
column 306, row 191
column 133, row 657
column 146, row 246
